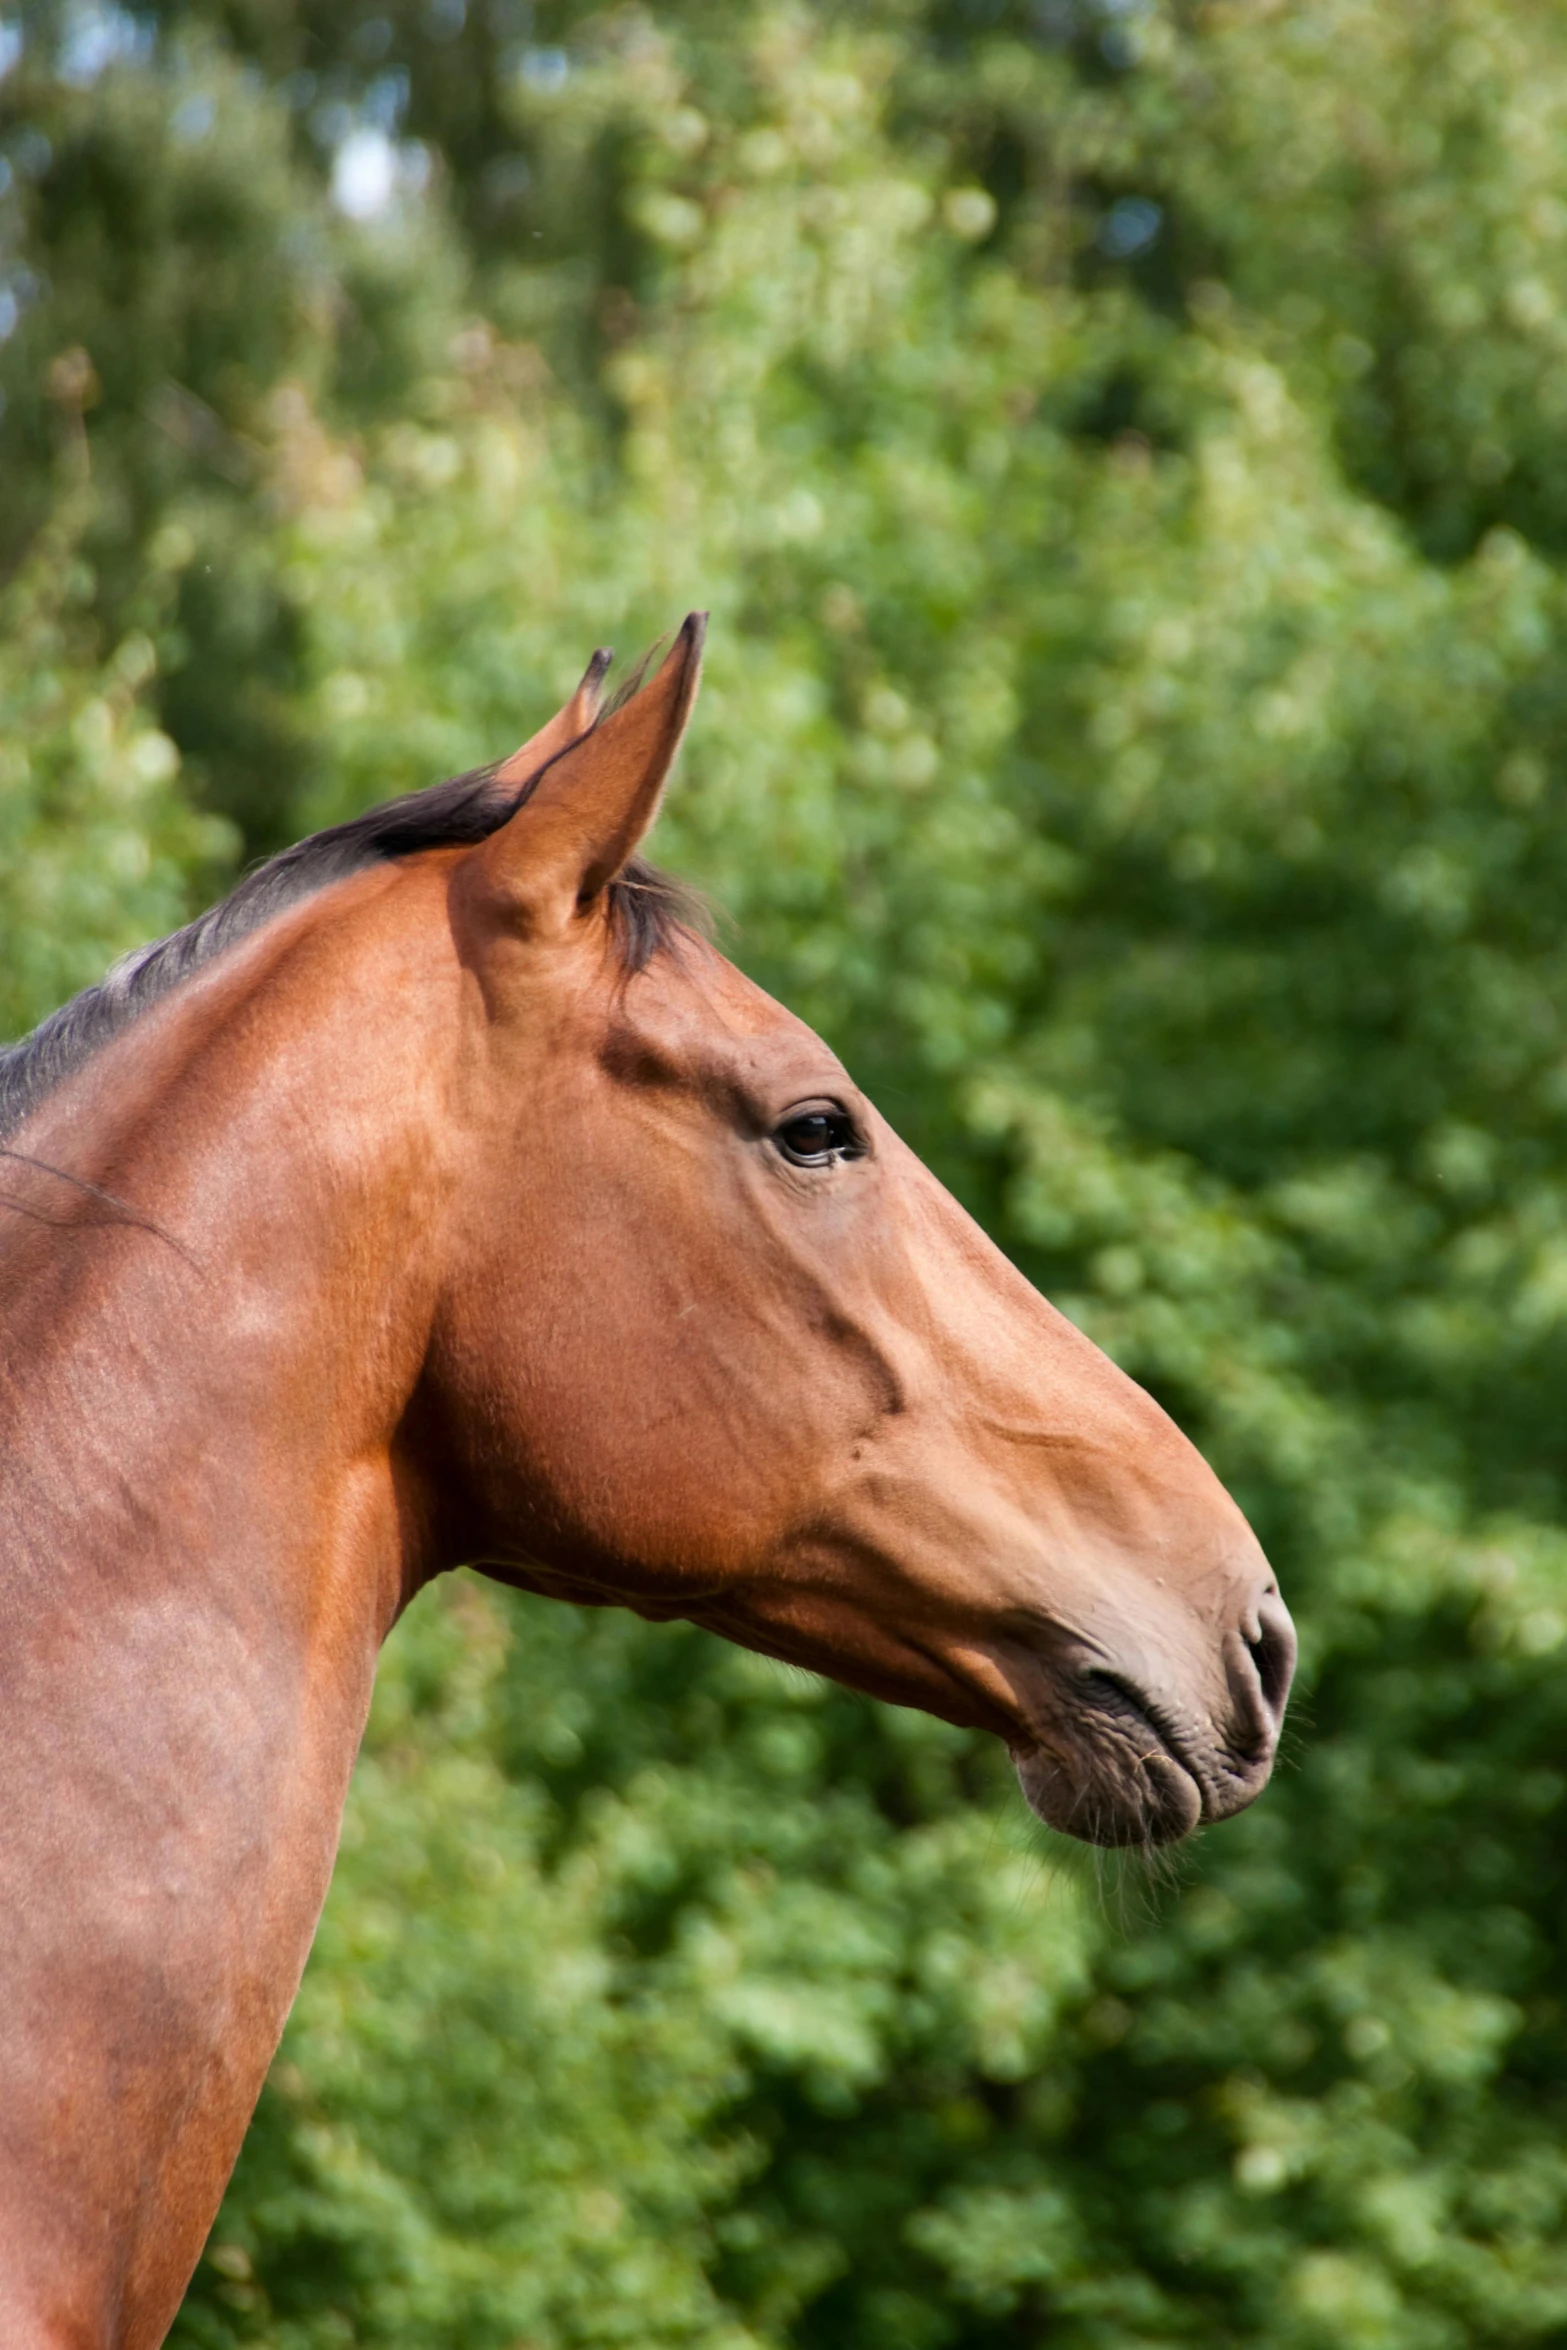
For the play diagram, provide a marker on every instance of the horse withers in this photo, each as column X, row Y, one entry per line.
column 443, row 1197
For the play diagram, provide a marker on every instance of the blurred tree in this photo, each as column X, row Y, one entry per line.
column 1121, row 445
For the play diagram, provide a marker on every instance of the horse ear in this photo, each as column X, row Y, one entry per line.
column 597, row 797
column 563, row 729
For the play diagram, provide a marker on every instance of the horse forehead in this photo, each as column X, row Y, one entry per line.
column 702, row 1008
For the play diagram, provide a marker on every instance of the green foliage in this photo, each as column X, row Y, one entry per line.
column 97, row 848
column 1122, row 451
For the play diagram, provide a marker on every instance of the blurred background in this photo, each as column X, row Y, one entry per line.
column 1124, row 447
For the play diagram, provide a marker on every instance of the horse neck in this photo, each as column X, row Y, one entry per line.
column 207, row 1533
column 211, row 1347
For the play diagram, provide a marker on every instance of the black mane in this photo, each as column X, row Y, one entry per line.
column 647, row 909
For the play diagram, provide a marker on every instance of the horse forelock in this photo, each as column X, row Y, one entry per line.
column 647, row 909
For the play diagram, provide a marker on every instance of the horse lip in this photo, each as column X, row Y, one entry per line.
column 1132, row 1706
column 1174, row 1795
column 1225, row 1777
column 1128, row 1701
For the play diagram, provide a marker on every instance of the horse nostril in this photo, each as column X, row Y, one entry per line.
column 1272, row 1652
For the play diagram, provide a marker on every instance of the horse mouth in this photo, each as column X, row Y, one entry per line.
column 1120, row 1776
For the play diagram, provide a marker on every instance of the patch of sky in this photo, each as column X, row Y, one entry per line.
column 18, row 289
column 544, row 70
column 31, row 151
column 10, row 46
column 364, row 173
column 370, row 171
column 385, row 100
column 1118, row 43
column 370, row 166
column 193, row 118
column 332, row 121
column 444, row 19
column 372, row 38
column 1129, row 227
column 94, row 36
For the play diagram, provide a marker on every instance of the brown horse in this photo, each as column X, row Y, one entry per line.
column 441, row 1196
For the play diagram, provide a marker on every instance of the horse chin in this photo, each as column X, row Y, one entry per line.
column 1110, row 1797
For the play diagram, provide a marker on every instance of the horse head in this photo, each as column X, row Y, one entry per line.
column 711, row 1342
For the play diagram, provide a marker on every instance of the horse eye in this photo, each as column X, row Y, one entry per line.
column 814, row 1138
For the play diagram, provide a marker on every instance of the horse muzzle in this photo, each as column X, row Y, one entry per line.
column 1118, row 1762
